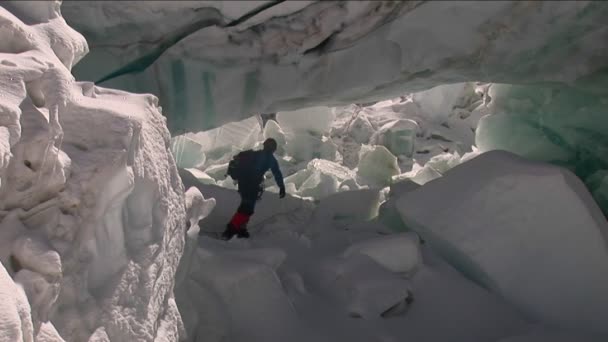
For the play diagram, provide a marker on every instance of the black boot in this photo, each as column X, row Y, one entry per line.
column 242, row 233
column 229, row 232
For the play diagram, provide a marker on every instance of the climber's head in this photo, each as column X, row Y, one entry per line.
column 270, row 145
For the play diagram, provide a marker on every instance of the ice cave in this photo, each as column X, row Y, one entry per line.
column 439, row 171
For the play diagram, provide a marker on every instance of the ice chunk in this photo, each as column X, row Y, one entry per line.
column 314, row 120
column 273, row 130
column 201, row 176
column 328, row 150
column 377, row 166
column 347, row 207
column 252, row 295
column 388, row 213
column 187, row 152
column 303, row 146
column 443, row 162
column 360, row 129
column 521, row 229
column 398, row 136
column 419, row 174
column 362, row 286
column 319, row 185
column 397, row 252
column 197, row 207
column 327, row 167
column 438, row 102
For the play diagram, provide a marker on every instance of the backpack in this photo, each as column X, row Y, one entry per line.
column 241, row 165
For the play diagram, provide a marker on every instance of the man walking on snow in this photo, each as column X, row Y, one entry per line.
column 251, row 169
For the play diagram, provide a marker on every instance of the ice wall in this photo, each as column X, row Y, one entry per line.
column 223, row 63
column 526, row 230
column 561, row 124
column 92, row 209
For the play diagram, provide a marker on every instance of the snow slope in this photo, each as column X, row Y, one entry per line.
column 91, row 205
column 525, row 230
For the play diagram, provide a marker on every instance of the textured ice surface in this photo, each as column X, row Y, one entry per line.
column 330, row 53
column 528, row 231
column 563, row 125
column 92, row 207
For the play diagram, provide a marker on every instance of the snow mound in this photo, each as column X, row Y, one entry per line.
column 91, row 205
column 522, row 229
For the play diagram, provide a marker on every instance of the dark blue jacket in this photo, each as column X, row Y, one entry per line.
column 265, row 161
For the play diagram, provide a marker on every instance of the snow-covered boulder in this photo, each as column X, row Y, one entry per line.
column 526, row 230
column 91, row 201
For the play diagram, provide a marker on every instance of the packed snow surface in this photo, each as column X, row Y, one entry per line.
column 525, row 230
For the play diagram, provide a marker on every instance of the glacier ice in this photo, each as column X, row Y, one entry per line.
column 320, row 148
column 90, row 196
column 329, row 53
column 561, row 124
column 526, row 230
column 377, row 166
column 398, row 136
column 93, row 212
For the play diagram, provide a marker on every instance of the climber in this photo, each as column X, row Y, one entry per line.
column 249, row 172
